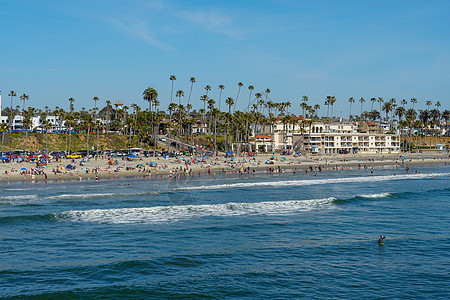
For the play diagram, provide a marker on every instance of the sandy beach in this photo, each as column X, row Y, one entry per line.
column 161, row 168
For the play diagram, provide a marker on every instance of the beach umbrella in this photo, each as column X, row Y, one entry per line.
column 229, row 152
column 152, row 163
column 132, row 155
column 23, row 169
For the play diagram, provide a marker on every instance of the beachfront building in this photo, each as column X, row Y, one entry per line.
column 283, row 136
column 344, row 143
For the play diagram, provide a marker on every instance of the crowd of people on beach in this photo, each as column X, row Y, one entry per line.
column 177, row 168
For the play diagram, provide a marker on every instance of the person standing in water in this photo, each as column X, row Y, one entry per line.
column 381, row 239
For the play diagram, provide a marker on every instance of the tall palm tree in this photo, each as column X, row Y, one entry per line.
column 332, row 101
column 192, row 80
column 215, row 114
column 266, row 92
column 428, row 103
column 410, row 118
column 362, row 102
column 328, row 102
column 11, row 120
column 172, row 78
column 207, row 88
column 24, row 98
column 180, row 93
column 387, row 108
column 350, row 100
column 211, row 103
column 445, row 118
column 230, row 102
column 413, row 101
column 240, row 84
column 373, row 100
column 71, row 101
column 26, row 124
column 204, row 98
column 435, row 114
column 403, row 102
column 221, row 87
column 250, row 88
column 3, row 129
column 95, row 99
column 151, row 95
column 424, row 117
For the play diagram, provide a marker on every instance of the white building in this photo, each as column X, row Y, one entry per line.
column 342, row 143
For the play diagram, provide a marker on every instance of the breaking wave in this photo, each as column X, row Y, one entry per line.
column 164, row 214
column 314, row 181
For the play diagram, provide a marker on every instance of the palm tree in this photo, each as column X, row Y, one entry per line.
column 410, row 118
column 428, row 103
column 151, row 95
column 192, row 80
column 250, row 88
column 387, row 108
column 328, row 102
column 333, row 100
column 215, row 114
column 400, row 112
column 95, row 105
column 424, row 117
column 373, row 100
column 240, row 84
column 435, row 114
column 88, row 120
column 172, row 78
column 350, row 100
column 71, row 101
column 204, row 98
column 211, row 103
column 230, row 102
column 266, row 92
column 179, row 94
column 3, row 129
column 11, row 123
column 403, row 102
column 207, row 88
column 413, row 101
column 445, row 117
column 221, row 87
column 362, row 102
column 24, row 98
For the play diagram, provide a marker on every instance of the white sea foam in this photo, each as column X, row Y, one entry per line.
column 164, row 214
column 80, row 196
column 19, row 200
column 380, row 195
column 313, row 181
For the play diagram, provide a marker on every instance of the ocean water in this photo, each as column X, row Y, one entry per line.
column 249, row 237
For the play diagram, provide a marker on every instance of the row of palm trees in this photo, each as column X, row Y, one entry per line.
column 143, row 126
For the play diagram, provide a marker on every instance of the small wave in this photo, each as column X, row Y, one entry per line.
column 19, row 200
column 380, row 195
column 165, row 214
column 314, row 181
column 80, row 196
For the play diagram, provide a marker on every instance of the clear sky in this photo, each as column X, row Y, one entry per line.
column 53, row 50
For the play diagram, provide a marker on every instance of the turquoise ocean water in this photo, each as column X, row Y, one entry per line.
column 278, row 236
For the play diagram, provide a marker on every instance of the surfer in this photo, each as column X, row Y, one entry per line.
column 381, row 239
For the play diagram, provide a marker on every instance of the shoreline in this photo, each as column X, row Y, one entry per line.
column 99, row 169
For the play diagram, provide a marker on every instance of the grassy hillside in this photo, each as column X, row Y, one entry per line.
column 60, row 142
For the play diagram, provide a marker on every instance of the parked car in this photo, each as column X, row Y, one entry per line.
column 74, row 155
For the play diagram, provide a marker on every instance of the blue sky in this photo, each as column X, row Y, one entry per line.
column 54, row 50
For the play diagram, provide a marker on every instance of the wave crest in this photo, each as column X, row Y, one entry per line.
column 165, row 214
